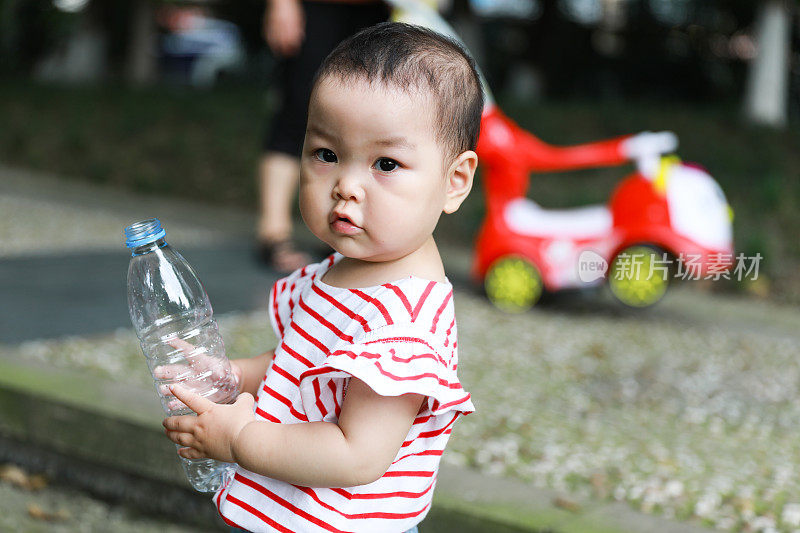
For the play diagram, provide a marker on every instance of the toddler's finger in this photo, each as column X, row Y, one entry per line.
column 193, row 401
column 245, row 398
column 172, row 435
column 171, row 372
column 180, row 344
column 190, row 453
column 173, row 423
column 190, row 351
column 166, row 392
column 181, row 439
column 185, row 439
column 176, row 405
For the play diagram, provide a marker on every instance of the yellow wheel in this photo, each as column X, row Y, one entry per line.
column 639, row 275
column 513, row 284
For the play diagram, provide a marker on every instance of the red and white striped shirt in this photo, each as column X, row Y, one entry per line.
column 399, row 338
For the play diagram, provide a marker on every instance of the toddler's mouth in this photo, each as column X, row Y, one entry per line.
column 340, row 223
column 337, row 216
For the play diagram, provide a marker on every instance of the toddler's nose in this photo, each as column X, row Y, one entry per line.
column 348, row 188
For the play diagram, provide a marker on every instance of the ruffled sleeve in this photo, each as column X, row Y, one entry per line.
column 392, row 360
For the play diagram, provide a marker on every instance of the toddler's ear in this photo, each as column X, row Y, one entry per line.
column 459, row 180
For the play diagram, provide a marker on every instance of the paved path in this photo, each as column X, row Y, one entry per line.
column 47, row 296
column 63, row 264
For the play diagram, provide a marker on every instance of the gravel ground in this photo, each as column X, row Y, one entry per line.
column 47, row 220
column 40, row 213
column 54, row 509
column 681, row 417
column 687, row 410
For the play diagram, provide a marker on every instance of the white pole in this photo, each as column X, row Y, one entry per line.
column 768, row 79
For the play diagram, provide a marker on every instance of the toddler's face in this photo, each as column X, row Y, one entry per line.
column 372, row 182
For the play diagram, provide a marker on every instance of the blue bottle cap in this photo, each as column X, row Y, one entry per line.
column 144, row 232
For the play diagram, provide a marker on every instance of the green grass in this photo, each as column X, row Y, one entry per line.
column 205, row 145
column 171, row 141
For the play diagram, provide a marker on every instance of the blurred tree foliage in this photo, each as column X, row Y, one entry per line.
column 683, row 49
column 655, row 48
column 31, row 28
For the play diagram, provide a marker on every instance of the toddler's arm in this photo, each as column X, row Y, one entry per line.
column 253, row 370
column 355, row 451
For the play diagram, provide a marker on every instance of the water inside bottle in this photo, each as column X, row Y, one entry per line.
column 193, row 348
column 172, row 316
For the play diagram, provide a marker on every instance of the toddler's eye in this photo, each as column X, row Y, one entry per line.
column 323, row 154
column 384, row 164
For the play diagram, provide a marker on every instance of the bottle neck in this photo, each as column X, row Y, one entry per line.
column 149, row 247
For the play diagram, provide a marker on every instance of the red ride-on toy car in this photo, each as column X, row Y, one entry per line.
column 665, row 210
column 665, row 207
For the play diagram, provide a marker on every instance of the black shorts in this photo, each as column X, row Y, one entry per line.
column 327, row 24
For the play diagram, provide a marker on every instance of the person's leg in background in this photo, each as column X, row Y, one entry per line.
column 325, row 25
column 278, row 175
column 278, row 169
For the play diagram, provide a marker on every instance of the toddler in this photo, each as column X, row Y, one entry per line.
column 354, row 407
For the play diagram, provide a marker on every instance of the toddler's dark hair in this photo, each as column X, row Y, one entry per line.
column 408, row 56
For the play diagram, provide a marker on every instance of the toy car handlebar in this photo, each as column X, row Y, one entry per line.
column 509, row 154
column 504, row 142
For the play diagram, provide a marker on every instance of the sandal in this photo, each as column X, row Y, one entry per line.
column 282, row 255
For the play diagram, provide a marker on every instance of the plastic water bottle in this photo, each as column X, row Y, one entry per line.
column 173, row 319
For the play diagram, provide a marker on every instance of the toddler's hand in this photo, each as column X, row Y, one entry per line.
column 284, row 27
column 201, row 372
column 214, row 430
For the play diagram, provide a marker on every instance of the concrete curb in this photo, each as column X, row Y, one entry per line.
column 102, row 438
column 106, row 438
